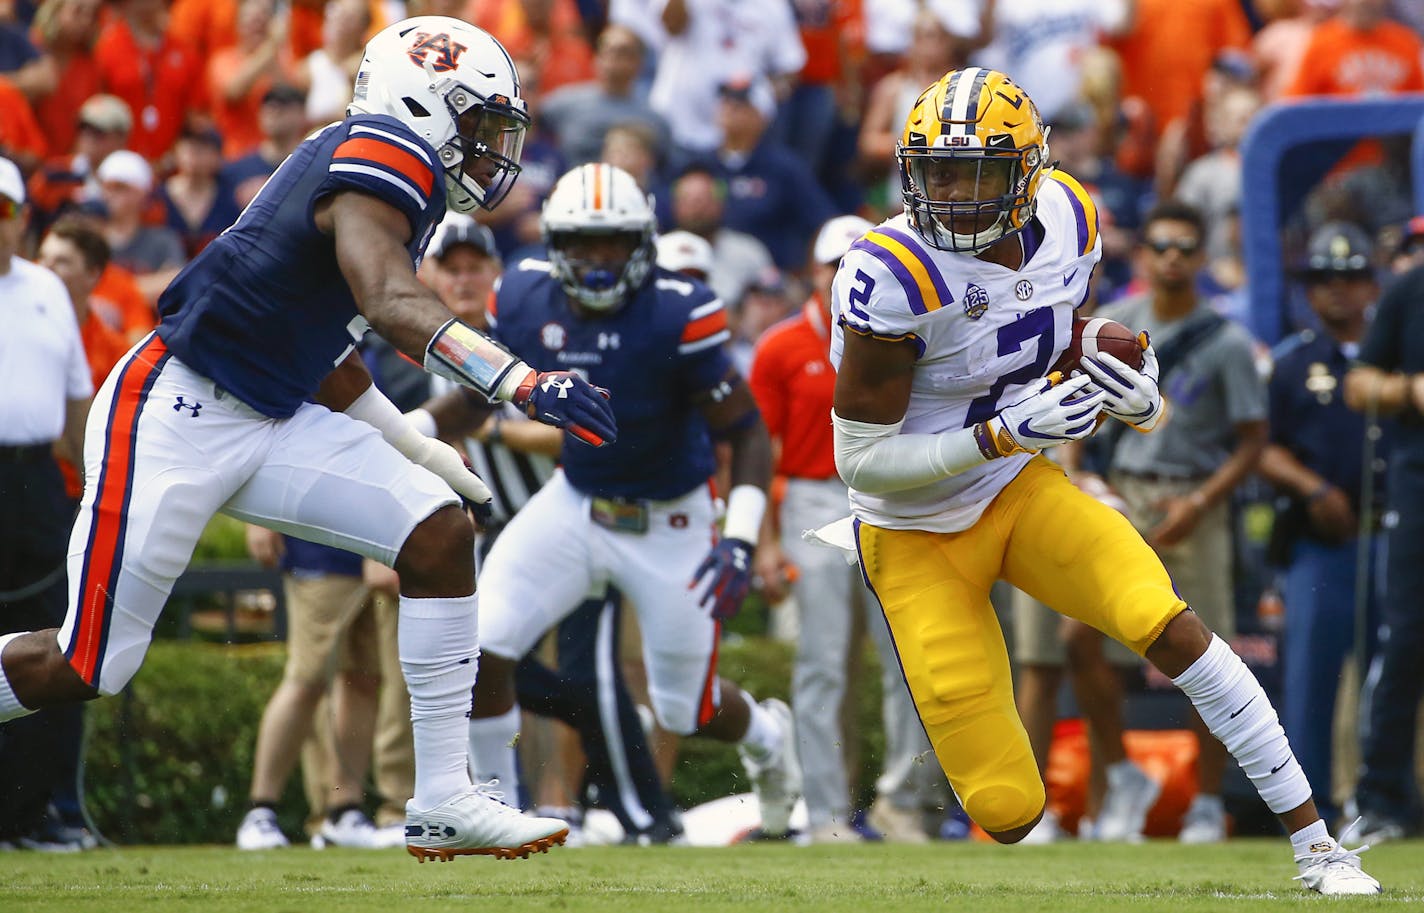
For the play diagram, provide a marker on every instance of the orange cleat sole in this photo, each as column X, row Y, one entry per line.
column 542, row 845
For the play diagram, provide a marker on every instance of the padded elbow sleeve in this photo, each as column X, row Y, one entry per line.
column 875, row 458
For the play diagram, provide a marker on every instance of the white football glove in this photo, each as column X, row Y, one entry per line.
column 1055, row 415
column 1132, row 396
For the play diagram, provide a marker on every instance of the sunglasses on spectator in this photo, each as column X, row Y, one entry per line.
column 9, row 209
column 1185, row 246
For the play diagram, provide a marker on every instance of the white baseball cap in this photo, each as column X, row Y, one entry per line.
column 125, row 167
column 680, row 250
column 836, row 237
column 12, row 183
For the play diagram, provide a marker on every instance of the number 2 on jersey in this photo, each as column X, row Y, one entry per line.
column 1037, row 324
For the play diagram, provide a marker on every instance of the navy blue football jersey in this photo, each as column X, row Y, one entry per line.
column 654, row 355
column 264, row 311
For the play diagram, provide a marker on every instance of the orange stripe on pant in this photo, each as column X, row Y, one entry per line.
column 106, row 532
column 706, row 707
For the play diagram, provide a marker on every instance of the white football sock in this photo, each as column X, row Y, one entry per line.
column 1311, row 839
column 439, row 653
column 1237, row 711
column 764, row 735
column 494, row 752
column 10, row 706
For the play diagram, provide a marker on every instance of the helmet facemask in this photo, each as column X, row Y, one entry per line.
column 481, row 159
column 966, row 200
column 600, row 269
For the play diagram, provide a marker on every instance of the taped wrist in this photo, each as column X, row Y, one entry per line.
column 461, row 353
column 745, row 506
column 876, row 459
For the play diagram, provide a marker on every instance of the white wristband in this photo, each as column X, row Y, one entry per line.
column 745, row 506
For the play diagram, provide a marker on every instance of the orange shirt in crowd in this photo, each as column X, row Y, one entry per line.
column 120, row 304
column 203, row 26
column 20, row 135
column 238, row 121
column 1341, row 60
column 1170, row 48
column 564, row 57
column 833, row 32
column 160, row 85
column 58, row 112
column 304, row 27
column 794, row 386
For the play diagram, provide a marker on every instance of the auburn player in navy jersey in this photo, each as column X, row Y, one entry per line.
column 236, row 403
column 639, row 513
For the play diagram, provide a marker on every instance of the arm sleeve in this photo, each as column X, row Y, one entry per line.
column 877, row 459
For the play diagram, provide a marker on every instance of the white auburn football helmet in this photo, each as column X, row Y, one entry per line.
column 598, row 199
column 455, row 86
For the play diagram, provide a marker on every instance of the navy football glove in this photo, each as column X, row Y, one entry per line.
column 565, row 400
column 730, row 566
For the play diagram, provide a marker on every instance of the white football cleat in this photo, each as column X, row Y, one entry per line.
column 1205, row 821
column 1131, row 794
column 776, row 778
column 895, row 824
column 477, row 823
column 259, row 831
column 1335, row 871
column 352, row 829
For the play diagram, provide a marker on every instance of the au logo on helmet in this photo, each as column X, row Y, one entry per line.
column 447, row 52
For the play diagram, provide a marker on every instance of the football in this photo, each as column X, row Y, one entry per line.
column 1094, row 335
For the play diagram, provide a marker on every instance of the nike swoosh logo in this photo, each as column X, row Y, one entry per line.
column 1280, row 765
column 1069, row 278
column 1243, row 707
column 1027, row 430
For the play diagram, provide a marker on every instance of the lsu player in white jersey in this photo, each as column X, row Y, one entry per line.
column 949, row 318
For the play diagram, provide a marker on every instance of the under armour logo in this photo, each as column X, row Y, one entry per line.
column 562, row 384
column 191, row 407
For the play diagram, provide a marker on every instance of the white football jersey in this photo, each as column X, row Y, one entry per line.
column 986, row 337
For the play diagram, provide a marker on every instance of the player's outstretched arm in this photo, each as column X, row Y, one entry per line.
column 370, row 237
column 348, row 388
column 732, row 416
column 873, row 394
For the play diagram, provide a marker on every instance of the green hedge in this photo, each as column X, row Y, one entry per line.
column 170, row 760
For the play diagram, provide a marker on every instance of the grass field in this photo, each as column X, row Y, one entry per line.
column 1067, row 878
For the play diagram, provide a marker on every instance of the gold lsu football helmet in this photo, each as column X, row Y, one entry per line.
column 972, row 157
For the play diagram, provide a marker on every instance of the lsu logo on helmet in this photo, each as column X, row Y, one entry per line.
column 972, row 157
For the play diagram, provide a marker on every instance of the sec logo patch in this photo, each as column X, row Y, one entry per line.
column 1023, row 291
column 553, row 336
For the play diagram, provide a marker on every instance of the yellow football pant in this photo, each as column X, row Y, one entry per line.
column 1053, row 542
